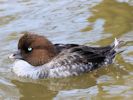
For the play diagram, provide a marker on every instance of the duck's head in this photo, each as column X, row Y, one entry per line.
column 34, row 49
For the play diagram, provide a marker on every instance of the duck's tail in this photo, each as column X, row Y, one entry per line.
column 116, row 45
column 116, row 42
column 115, row 49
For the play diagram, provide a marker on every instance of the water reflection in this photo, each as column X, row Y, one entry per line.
column 6, row 20
column 78, row 94
column 32, row 91
column 48, row 88
column 118, row 92
column 117, row 17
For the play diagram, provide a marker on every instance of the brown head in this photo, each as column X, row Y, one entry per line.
column 35, row 49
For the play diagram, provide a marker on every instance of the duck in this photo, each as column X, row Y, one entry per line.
column 39, row 58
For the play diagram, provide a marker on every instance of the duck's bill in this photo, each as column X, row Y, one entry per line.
column 16, row 55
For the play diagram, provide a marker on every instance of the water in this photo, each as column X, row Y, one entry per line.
column 89, row 22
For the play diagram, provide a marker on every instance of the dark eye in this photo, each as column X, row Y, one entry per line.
column 29, row 49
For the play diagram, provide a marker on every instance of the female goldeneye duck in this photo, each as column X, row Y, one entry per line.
column 38, row 58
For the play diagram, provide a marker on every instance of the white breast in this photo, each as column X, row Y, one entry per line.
column 24, row 69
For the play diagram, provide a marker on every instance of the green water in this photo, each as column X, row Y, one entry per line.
column 89, row 22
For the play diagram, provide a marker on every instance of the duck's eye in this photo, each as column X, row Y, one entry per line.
column 29, row 49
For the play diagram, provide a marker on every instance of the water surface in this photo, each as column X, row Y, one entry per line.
column 89, row 22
